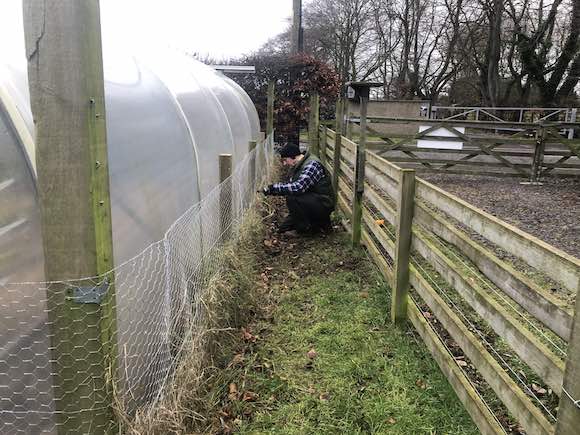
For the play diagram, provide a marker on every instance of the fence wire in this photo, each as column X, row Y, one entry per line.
column 150, row 323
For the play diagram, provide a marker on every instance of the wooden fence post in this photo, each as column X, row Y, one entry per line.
column 400, row 286
column 65, row 70
column 359, row 175
column 314, row 123
column 337, row 143
column 270, row 109
column 225, row 200
column 569, row 407
column 252, row 170
column 323, row 141
column 538, row 159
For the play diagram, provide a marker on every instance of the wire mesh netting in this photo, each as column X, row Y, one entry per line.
column 68, row 347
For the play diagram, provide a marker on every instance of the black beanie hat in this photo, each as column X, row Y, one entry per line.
column 289, row 150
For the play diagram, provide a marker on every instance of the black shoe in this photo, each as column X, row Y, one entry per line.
column 287, row 225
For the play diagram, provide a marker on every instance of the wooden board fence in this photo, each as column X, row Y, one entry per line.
column 440, row 218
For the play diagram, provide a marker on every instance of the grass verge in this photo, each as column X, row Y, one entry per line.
column 322, row 357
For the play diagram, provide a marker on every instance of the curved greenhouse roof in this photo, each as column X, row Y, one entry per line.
column 168, row 119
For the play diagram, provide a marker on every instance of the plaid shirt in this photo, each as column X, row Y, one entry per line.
column 310, row 174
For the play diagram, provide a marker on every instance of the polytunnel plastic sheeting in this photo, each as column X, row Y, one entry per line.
column 207, row 120
column 24, row 347
column 152, row 161
column 165, row 121
column 251, row 112
column 233, row 108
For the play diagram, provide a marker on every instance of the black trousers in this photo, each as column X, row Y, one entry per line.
column 309, row 211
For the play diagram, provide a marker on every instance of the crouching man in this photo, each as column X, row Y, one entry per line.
column 309, row 193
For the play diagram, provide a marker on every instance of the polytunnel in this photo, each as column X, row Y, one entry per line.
column 168, row 119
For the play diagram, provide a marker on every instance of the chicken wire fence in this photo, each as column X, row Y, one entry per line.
column 124, row 343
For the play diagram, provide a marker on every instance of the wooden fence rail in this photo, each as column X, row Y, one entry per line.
column 437, row 224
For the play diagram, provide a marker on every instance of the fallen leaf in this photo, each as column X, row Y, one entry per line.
column 268, row 243
column 539, row 389
column 421, row 383
column 324, row 396
column 233, row 392
column 391, row 420
column 380, row 221
column 311, row 354
column 249, row 396
column 247, row 336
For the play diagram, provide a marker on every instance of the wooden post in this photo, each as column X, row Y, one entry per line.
column 538, row 159
column 337, row 143
column 65, row 70
column 323, row 139
column 270, row 109
column 252, row 170
column 400, row 286
column 345, row 114
column 569, row 408
column 226, row 200
column 314, row 123
column 359, row 174
column 349, row 128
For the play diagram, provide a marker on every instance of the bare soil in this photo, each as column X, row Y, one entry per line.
column 550, row 211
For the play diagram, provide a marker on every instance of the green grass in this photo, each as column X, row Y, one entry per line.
column 367, row 376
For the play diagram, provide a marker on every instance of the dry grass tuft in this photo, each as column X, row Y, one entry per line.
column 228, row 301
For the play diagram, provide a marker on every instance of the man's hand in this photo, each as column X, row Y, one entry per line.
column 268, row 190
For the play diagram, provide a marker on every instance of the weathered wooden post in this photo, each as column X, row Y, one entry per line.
column 270, row 109
column 65, row 70
column 337, row 143
column 314, row 124
column 404, row 221
column 225, row 198
column 569, row 408
column 349, row 128
column 252, row 169
column 538, row 159
column 362, row 91
column 323, row 139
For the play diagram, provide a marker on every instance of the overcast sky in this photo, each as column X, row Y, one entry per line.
column 220, row 28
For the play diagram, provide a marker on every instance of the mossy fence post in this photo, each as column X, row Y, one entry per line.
column 225, row 198
column 63, row 48
column 314, row 124
column 270, row 109
column 337, row 143
column 404, row 221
